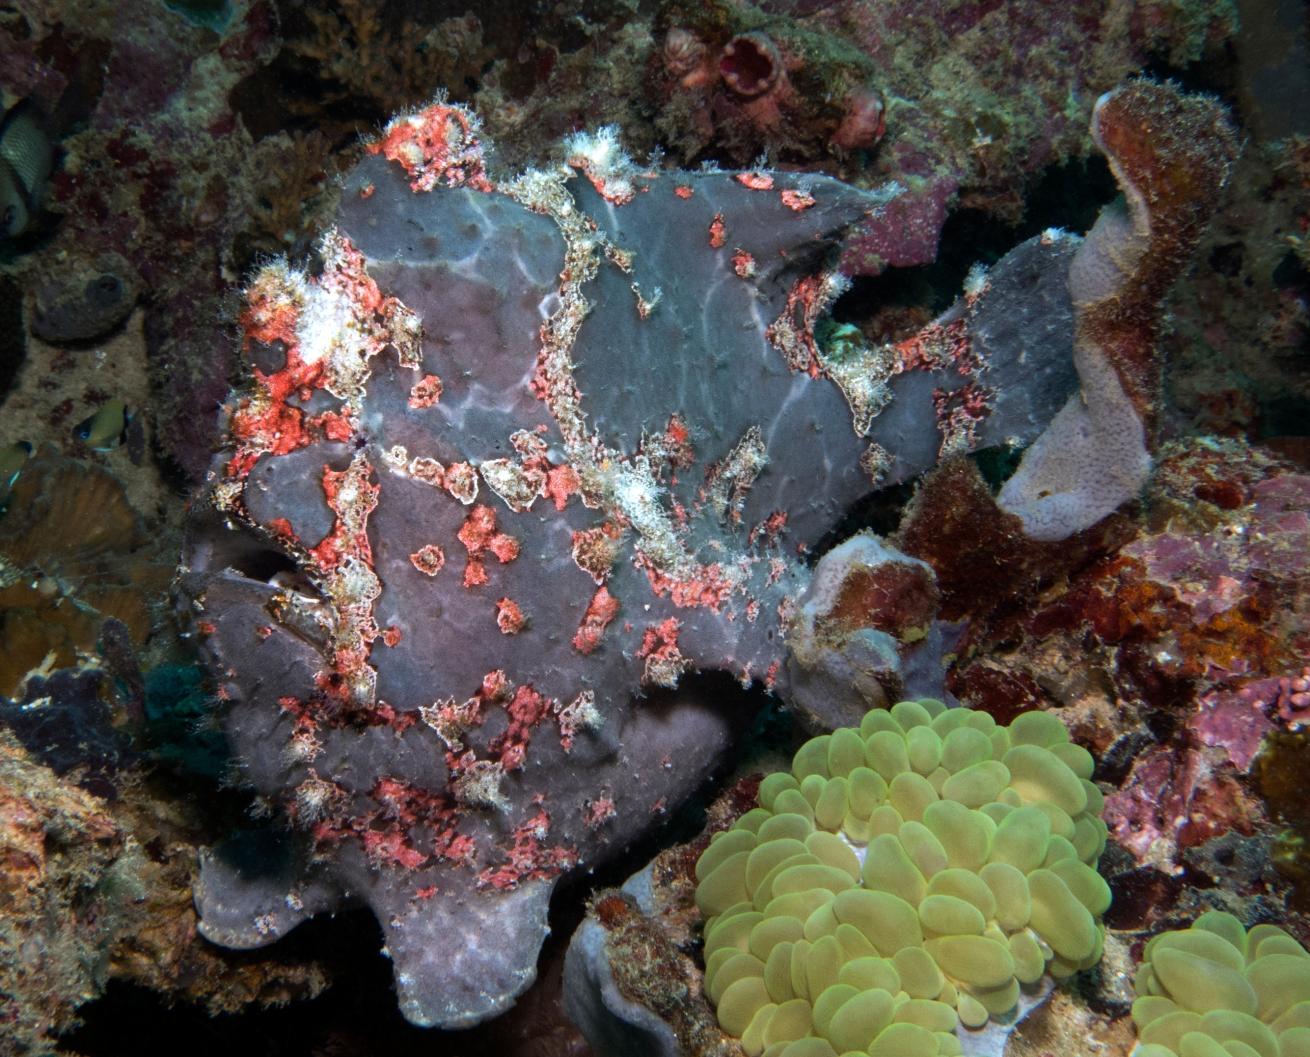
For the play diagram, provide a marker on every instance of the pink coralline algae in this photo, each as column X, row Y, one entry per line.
column 1176, row 800
column 1287, row 696
column 525, row 452
column 1189, row 643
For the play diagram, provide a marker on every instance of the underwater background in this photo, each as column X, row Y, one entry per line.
column 466, row 469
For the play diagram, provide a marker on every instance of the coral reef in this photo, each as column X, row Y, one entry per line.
column 1242, row 322
column 160, row 176
column 360, row 50
column 541, row 435
column 67, row 722
column 84, row 300
column 656, row 913
column 1281, row 774
column 97, row 868
column 68, row 884
column 957, row 133
column 1183, row 636
column 632, row 961
column 729, row 75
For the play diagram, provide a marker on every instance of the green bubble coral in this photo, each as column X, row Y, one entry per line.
column 1219, row 990
column 903, row 878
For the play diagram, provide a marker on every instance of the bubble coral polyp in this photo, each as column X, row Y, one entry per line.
column 903, row 878
column 1220, row 988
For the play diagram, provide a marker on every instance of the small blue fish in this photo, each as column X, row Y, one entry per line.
column 106, row 429
column 27, row 158
column 12, row 459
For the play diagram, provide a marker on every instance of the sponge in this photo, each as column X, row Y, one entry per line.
column 900, row 879
column 1218, row 989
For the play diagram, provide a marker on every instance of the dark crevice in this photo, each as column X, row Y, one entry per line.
column 262, row 564
column 348, row 944
column 879, row 512
column 13, row 347
column 1067, row 196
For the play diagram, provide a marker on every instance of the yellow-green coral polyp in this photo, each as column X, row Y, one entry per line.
column 901, row 879
column 1219, row 990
